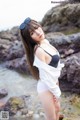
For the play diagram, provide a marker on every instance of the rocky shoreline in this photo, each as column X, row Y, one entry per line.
column 29, row 107
column 62, row 28
column 13, row 57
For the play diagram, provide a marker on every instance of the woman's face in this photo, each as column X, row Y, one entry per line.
column 38, row 34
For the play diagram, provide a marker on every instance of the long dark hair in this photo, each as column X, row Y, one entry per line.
column 29, row 45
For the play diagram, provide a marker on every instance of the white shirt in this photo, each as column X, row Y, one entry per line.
column 49, row 75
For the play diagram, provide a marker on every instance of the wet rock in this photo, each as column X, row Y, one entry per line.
column 3, row 93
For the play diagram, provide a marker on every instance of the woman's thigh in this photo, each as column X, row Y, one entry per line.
column 57, row 103
column 48, row 104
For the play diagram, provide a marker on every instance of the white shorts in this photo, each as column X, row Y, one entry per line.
column 42, row 87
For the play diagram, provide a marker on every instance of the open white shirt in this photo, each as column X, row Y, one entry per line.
column 49, row 75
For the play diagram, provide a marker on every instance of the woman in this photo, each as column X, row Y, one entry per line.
column 44, row 63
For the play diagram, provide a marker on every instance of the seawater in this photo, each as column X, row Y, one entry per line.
column 16, row 84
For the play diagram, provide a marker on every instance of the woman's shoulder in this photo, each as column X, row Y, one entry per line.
column 40, row 53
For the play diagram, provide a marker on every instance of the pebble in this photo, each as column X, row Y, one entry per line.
column 36, row 116
column 24, row 111
column 30, row 113
column 3, row 92
column 41, row 114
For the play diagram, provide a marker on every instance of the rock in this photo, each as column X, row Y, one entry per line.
column 15, row 31
column 15, row 51
column 4, row 46
column 36, row 116
column 3, row 93
column 14, row 104
column 24, row 111
column 7, row 39
column 66, row 44
column 19, row 64
column 62, row 18
column 70, row 75
column 30, row 113
column 7, row 35
column 42, row 114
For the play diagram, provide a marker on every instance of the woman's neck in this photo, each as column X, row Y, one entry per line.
column 42, row 42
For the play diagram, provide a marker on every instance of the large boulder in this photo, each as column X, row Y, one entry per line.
column 7, row 39
column 19, row 65
column 15, row 51
column 66, row 44
column 62, row 18
column 70, row 75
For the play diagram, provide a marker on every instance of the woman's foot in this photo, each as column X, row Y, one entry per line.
column 61, row 117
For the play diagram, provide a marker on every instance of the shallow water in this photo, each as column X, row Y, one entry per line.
column 17, row 84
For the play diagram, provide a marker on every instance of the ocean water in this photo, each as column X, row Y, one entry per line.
column 15, row 83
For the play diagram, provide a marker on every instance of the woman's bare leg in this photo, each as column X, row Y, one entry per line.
column 48, row 104
column 57, row 106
